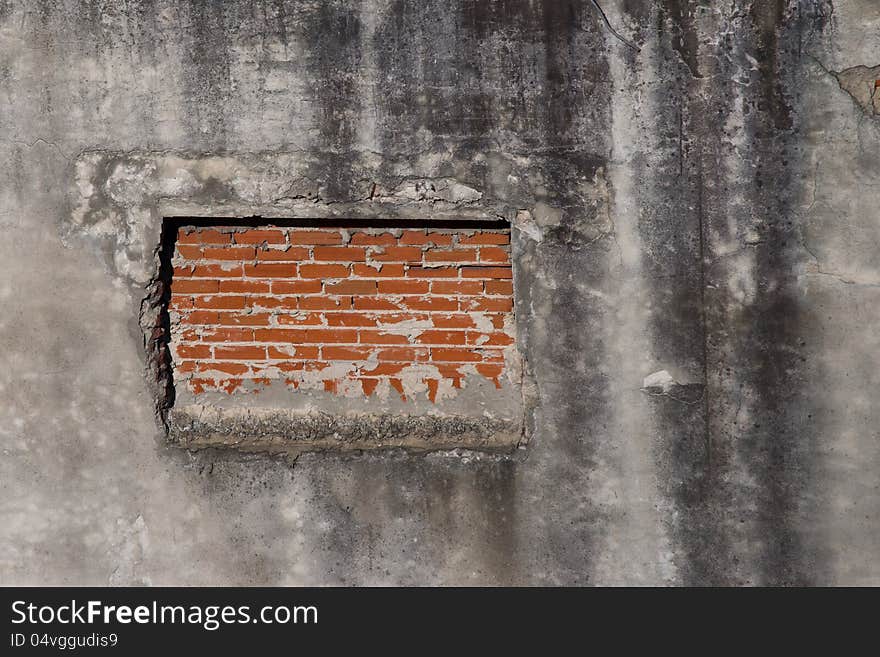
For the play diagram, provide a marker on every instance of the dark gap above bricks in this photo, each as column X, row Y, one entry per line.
column 335, row 222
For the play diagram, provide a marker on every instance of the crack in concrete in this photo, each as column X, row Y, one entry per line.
column 40, row 140
column 611, row 29
column 841, row 278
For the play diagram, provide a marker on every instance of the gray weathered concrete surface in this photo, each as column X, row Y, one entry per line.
column 705, row 205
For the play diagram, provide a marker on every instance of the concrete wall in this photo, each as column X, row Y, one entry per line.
column 703, row 205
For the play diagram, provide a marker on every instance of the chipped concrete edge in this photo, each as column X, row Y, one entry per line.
column 279, row 431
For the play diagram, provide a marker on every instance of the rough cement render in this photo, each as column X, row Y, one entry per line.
column 119, row 202
column 703, row 205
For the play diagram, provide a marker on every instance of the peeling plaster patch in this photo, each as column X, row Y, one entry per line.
column 434, row 191
column 662, row 380
column 130, row 550
column 861, row 82
column 547, row 216
column 663, row 383
column 524, row 223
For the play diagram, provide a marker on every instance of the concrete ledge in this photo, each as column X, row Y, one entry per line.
column 287, row 432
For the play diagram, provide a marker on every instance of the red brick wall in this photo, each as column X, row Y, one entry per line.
column 353, row 311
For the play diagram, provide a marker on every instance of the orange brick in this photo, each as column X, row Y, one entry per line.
column 497, row 320
column 430, row 303
column 320, row 336
column 374, row 303
column 491, row 355
column 197, row 236
column 453, row 321
column 220, row 302
column 442, row 337
column 228, row 335
column 240, row 353
column 433, row 386
column 373, row 239
column 187, row 236
column 296, row 287
column 270, row 270
column 493, row 254
column 451, row 255
column 403, row 354
column 178, row 302
column 491, row 371
column 201, row 317
column 450, row 371
column 324, row 303
column 193, row 351
column 216, row 271
column 185, row 366
column 309, row 352
column 191, row 334
column 283, row 303
column 369, row 385
column 403, row 287
column 396, row 254
column 244, row 286
column 432, row 272
column 455, row 355
column 419, row 237
column 286, row 366
column 294, row 253
column 315, row 237
column 488, row 304
column 323, row 271
column 386, row 270
column 340, row 254
column 381, row 337
column 239, row 319
column 227, row 368
column 396, row 318
column 486, row 272
column 180, row 286
column 497, row 339
column 499, row 287
column 290, row 336
column 230, row 385
column 386, row 369
column 345, row 353
column 199, row 386
column 457, row 287
column 485, row 238
column 351, row 287
column 350, row 319
column 301, row 319
column 259, row 236
column 189, row 252
column 228, row 253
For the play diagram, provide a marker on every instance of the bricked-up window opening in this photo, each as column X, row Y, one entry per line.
column 348, row 319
